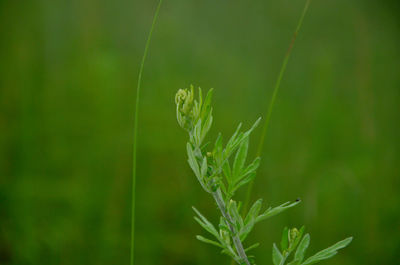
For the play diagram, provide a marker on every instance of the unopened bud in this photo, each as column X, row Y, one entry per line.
column 294, row 233
column 184, row 100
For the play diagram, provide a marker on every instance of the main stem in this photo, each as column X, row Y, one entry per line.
column 135, row 130
column 235, row 235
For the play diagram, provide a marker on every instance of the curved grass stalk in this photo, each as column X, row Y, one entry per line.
column 273, row 98
column 135, row 130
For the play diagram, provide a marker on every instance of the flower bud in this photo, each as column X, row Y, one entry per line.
column 294, row 233
column 184, row 99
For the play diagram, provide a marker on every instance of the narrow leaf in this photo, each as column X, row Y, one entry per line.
column 274, row 211
column 240, row 158
column 233, row 210
column 218, row 149
column 329, row 252
column 250, row 168
column 276, row 255
column 247, row 133
column 209, row 241
column 200, row 97
column 285, row 239
column 232, row 140
column 204, row 167
column 341, row 244
column 226, row 168
column 197, row 133
column 252, row 247
column 253, row 212
column 250, row 219
column 206, row 106
column 192, row 161
column 207, row 125
column 207, row 225
column 244, row 181
column 195, row 166
column 301, row 249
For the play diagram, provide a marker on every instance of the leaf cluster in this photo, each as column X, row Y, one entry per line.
column 221, row 171
column 293, row 241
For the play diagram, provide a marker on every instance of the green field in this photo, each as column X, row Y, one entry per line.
column 68, row 73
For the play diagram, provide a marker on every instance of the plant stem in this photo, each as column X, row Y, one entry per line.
column 235, row 236
column 135, row 132
column 273, row 98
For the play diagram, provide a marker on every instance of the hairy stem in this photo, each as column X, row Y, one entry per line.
column 273, row 98
column 235, row 235
column 135, row 130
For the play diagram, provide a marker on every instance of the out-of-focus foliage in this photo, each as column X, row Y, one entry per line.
column 67, row 83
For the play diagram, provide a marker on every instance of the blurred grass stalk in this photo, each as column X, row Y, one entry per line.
column 272, row 101
column 135, row 130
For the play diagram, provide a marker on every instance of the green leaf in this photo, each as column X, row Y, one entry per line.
column 207, row 125
column 244, row 181
column 240, row 158
column 250, row 219
column 321, row 257
column 276, row 255
column 222, row 186
column 329, row 252
column 247, row 175
column 231, row 143
column 234, row 212
column 217, row 152
column 195, row 166
column 237, row 139
column 250, row 169
column 253, row 212
column 204, row 167
column 222, row 224
column 192, row 160
column 206, row 106
column 339, row 245
column 208, row 226
column 252, row 247
column 274, row 211
column 226, row 168
column 246, row 134
column 204, row 147
column 301, row 249
column 200, row 97
column 196, row 137
column 209, row 241
column 285, row 239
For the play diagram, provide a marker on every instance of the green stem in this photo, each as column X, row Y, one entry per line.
column 235, row 235
column 273, row 98
column 135, row 132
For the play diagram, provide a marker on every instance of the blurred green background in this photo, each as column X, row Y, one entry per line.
column 68, row 74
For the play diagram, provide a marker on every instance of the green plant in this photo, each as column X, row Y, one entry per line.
column 135, row 133
column 221, row 171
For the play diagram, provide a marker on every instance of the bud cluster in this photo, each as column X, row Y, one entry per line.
column 184, row 100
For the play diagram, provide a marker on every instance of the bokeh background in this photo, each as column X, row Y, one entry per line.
column 68, row 72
